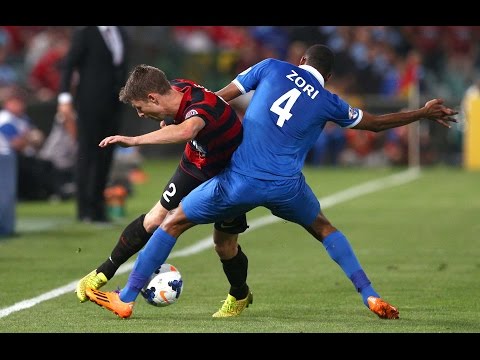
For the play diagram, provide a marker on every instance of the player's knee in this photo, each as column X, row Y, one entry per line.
column 175, row 222
column 152, row 222
column 168, row 225
column 154, row 217
column 322, row 227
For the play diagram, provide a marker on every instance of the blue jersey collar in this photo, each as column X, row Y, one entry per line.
column 314, row 72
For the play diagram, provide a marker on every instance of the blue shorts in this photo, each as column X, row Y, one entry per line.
column 230, row 194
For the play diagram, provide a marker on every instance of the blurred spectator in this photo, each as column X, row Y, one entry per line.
column 98, row 54
column 228, row 37
column 23, row 136
column 428, row 41
column 45, row 166
column 17, row 38
column 386, row 66
column 60, row 148
column 44, row 77
column 8, row 180
column 459, row 52
column 364, row 54
column 35, row 177
column 37, row 45
column 194, row 39
column 460, row 46
column 8, row 183
column 8, row 74
column 273, row 41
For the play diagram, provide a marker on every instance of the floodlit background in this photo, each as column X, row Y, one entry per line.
column 378, row 68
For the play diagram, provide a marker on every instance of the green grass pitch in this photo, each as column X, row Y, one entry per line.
column 417, row 241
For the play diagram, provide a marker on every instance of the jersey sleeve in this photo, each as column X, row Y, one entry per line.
column 343, row 114
column 248, row 79
column 197, row 111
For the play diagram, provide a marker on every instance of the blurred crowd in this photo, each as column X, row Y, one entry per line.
column 378, row 68
column 370, row 59
column 382, row 63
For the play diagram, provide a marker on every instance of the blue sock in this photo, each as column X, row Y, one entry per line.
column 342, row 253
column 152, row 256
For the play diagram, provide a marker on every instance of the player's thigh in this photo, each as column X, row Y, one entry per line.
column 296, row 203
column 179, row 186
column 217, row 199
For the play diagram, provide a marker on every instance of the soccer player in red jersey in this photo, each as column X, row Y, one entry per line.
column 212, row 131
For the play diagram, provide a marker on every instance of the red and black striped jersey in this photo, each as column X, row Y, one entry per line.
column 211, row 150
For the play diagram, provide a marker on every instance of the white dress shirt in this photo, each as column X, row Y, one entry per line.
column 112, row 38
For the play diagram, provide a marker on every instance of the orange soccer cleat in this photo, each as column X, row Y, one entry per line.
column 383, row 309
column 111, row 301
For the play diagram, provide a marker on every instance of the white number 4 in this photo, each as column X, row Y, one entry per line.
column 284, row 113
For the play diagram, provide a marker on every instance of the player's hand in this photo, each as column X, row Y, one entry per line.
column 123, row 141
column 435, row 110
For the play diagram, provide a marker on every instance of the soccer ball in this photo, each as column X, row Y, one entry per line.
column 164, row 286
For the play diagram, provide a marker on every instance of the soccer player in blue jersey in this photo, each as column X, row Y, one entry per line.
column 286, row 114
column 211, row 130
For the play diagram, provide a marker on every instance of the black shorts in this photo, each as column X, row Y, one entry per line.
column 180, row 185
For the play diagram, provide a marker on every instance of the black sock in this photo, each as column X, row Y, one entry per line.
column 236, row 270
column 132, row 240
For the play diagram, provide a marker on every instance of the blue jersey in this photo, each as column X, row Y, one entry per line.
column 286, row 114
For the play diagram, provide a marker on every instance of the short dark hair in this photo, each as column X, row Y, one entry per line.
column 144, row 79
column 321, row 57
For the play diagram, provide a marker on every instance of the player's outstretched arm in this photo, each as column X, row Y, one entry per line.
column 174, row 134
column 433, row 110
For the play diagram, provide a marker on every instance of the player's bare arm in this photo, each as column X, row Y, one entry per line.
column 172, row 134
column 123, row 141
column 433, row 110
column 229, row 92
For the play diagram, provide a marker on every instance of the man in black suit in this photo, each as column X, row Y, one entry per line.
column 98, row 55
